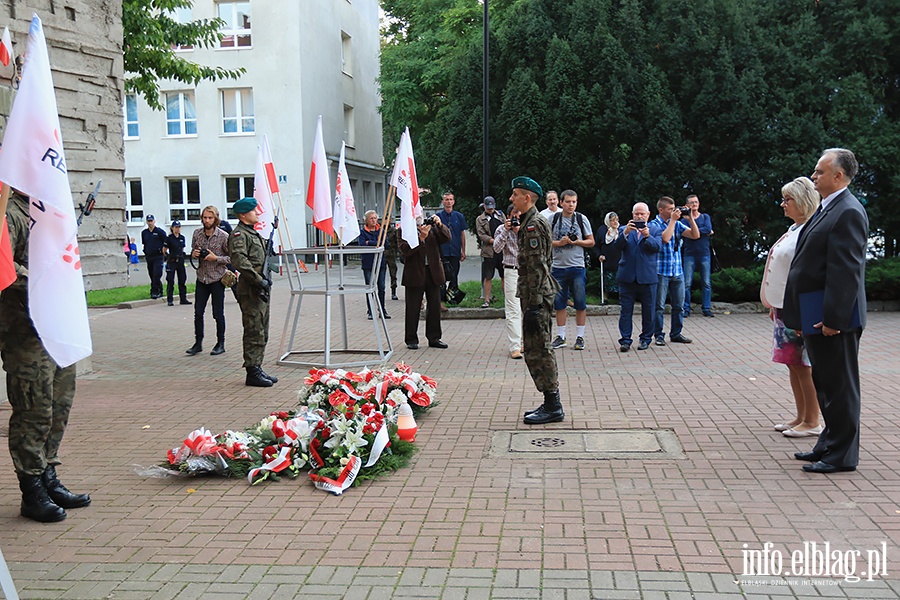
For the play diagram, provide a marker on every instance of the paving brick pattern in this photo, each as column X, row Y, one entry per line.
column 459, row 523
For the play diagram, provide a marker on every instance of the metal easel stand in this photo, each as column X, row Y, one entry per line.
column 335, row 287
column 6, row 581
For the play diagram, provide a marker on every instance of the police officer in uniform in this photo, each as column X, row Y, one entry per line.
column 40, row 392
column 536, row 291
column 248, row 255
column 154, row 241
column 175, row 244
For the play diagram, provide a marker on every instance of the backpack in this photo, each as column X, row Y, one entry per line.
column 591, row 255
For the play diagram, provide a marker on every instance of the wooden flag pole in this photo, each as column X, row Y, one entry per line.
column 388, row 210
column 4, row 200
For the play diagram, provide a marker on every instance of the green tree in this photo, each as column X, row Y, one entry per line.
column 150, row 35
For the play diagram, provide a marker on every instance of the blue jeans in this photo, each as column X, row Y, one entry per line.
column 574, row 278
column 367, row 275
column 703, row 263
column 645, row 293
column 669, row 287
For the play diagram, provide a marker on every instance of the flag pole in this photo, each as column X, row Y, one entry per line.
column 4, row 199
column 388, row 209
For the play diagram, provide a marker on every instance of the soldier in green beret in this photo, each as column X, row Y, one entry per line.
column 248, row 255
column 536, row 291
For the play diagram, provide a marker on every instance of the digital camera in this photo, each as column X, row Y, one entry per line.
column 514, row 222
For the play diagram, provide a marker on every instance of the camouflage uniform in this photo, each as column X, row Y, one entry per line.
column 537, row 288
column 248, row 255
column 391, row 248
column 40, row 392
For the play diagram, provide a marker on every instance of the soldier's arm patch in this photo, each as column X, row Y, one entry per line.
column 533, row 243
column 236, row 233
column 529, row 228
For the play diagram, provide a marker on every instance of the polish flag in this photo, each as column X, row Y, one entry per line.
column 7, row 265
column 33, row 161
column 318, row 193
column 6, row 50
column 262, row 190
column 345, row 220
column 404, row 179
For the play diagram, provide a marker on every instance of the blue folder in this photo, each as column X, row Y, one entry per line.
column 812, row 311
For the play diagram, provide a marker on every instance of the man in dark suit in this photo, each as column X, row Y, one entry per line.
column 637, row 276
column 831, row 258
column 423, row 275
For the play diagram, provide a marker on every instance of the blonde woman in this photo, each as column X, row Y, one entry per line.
column 799, row 201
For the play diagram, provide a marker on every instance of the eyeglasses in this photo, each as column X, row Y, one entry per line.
column 786, row 200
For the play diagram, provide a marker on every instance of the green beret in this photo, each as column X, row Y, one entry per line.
column 527, row 183
column 244, row 205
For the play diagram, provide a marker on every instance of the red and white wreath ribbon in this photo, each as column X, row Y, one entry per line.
column 337, row 486
column 381, row 441
column 276, row 464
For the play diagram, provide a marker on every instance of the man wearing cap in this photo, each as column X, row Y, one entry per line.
column 154, row 241
column 175, row 244
column 248, row 255
column 537, row 289
column 485, row 225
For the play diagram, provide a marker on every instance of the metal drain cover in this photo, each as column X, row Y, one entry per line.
column 596, row 444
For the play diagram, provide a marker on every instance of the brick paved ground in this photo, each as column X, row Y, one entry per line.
column 459, row 523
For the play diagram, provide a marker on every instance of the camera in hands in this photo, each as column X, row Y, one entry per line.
column 428, row 221
column 514, row 222
column 639, row 224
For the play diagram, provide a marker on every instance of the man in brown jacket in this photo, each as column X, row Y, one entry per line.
column 423, row 275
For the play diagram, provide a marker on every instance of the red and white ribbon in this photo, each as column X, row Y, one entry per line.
column 337, row 486
column 378, row 445
column 276, row 464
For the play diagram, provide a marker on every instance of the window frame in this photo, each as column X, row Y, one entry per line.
column 130, row 207
column 182, row 119
column 127, row 123
column 243, row 192
column 240, row 117
column 236, row 33
column 186, row 206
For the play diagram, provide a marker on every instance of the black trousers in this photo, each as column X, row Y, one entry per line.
column 432, row 293
column 204, row 291
column 835, row 372
column 451, row 272
column 155, row 270
column 173, row 268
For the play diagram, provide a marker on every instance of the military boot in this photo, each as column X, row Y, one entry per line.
column 255, row 378
column 550, row 411
column 58, row 492
column 36, row 504
column 271, row 378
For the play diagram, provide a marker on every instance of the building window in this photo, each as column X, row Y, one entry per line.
column 132, row 130
column 236, row 187
column 236, row 31
column 181, row 117
column 134, row 201
column 349, row 127
column 237, row 111
column 346, row 54
column 184, row 199
column 183, row 16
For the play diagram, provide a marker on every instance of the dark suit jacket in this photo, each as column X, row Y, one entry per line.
column 638, row 262
column 414, row 258
column 831, row 256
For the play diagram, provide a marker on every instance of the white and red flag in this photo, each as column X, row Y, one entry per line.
column 6, row 50
column 318, row 193
column 265, row 184
column 404, row 179
column 346, row 225
column 33, row 161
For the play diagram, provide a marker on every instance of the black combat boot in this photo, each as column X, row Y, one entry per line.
column 255, row 378
column 394, row 292
column 219, row 348
column 36, row 504
column 195, row 349
column 58, row 492
column 550, row 411
column 271, row 378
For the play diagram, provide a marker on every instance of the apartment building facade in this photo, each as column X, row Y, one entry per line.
column 303, row 58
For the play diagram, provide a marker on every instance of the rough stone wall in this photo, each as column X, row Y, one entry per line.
column 85, row 48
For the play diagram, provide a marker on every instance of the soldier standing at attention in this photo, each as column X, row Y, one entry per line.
column 536, row 291
column 391, row 249
column 248, row 255
column 40, row 392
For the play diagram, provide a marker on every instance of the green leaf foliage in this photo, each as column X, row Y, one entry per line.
column 150, row 36
column 630, row 100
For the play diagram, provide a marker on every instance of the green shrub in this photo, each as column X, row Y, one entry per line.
column 883, row 279
column 736, row 284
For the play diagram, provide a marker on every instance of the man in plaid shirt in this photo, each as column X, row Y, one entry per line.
column 669, row 269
